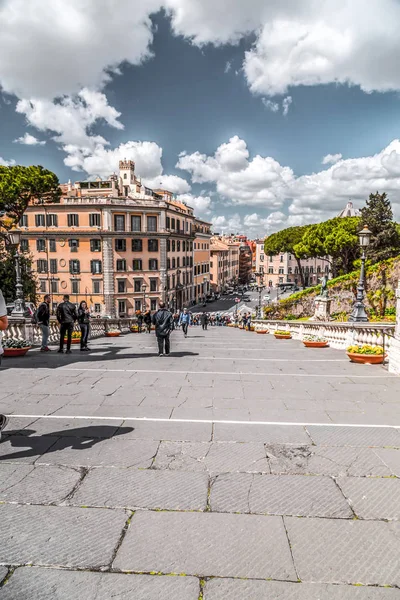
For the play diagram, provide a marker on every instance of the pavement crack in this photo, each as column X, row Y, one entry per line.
column 290, row 549
column 249, row 492
column 355, row 516
column 121, row 539
column 83, row 473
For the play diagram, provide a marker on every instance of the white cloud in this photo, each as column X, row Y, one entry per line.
column 222, row 224
column 49, row 48
column 228, row 66
column 201, row 204
column 6, row 163
column 260, row 181
column 173, row 183
column 286, row 105
column 272, row 106
column 71, row 117
column 331, row 159
column 29, row 140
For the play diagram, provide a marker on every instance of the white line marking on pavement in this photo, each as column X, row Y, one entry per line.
column 325, row 375
column 209, row 421
column 234, row 358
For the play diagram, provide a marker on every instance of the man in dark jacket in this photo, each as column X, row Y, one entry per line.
column 163, row 321
column 43, row 320
column 66, row 316
column 204, row 320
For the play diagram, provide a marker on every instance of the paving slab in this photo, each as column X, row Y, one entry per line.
column 79, row 428
column 279, row 495
column 325, row 460
column 167, row 490
column 227, row 589
column 28, row 484
column 24, row 448
column 163, row 430
column 372, row 498
column 339, row 551
column 207, row 544
column 268, row 434
column 3, row 573
column 101, row 452
column 50, row 584
column 355, row 436
column 37, row 535
column 391, row 458
column 214, row 458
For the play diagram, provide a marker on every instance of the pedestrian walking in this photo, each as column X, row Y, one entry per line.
column 66, row 316
column 3, row 327
column 84, row 324
column 42, row 318
column 249, row 321
column 147, row 321
column 140, row 322
column 204, row 321
column 164, row 324
column 185, row 320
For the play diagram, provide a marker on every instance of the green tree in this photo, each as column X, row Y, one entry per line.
column 378, row 216
column 8, row 278
column 335, row 240
column 286, row 241
column 21, row 185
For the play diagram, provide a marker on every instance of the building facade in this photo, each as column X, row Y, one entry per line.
column 116, row 244
column 201, row 254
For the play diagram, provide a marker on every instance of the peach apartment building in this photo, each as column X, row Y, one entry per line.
column 114, row 243
column 201, row 251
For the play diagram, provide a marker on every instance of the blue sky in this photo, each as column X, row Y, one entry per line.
column 215, row 93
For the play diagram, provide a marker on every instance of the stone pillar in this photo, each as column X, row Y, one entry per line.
column 322, row 309
column 394, row 350
column 108, row 276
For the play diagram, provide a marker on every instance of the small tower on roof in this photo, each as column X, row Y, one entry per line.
column 349, row 211
column 126, row 175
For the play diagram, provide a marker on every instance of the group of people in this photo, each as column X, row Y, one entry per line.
column 67, row 315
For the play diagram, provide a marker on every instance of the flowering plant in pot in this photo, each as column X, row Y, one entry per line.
column 75, row 337
column 260, row 328
column 315, row 341
column 135, row 328
column 366, row 354
column 113, row 332
column 282, row 334
column 15, row 347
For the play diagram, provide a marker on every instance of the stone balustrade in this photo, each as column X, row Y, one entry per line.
column 23, row 329
column 339, row 335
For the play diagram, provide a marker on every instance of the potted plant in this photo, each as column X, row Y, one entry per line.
column 15, row 347
column 134, row 328
column 281, row 334
column 75, row 338
column 365, row 354
column 315, row 341
column 113, row 332
column 259, row 328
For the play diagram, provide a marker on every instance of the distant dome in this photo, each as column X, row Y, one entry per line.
column 350, row 211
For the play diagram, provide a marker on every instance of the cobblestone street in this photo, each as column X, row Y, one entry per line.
column 238, row 467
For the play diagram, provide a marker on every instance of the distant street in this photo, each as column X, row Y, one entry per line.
column 227, row 303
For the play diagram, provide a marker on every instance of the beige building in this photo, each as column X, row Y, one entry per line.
column 224, row 263
column 201, row 253
column 114, row 243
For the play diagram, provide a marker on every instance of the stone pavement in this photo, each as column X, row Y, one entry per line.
column 239, row 467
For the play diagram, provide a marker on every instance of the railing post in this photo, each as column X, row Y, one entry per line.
column 394, row 350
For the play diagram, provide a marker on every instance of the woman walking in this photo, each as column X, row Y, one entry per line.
column 84, row 324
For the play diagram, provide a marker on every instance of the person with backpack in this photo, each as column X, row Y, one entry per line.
column 66, row 316
column 164, row 324
column 42, row 318
column 204, row 321
column 3, row 327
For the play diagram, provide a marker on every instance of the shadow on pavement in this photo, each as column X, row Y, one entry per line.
column 83, row 438
column 54, row 360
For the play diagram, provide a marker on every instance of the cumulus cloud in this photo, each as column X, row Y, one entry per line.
column 201, row 204
column 259, row 181
column 286, row 105
column 331, row 159
column 272, row 106
column 228, row 66
column 29, row 140
column 6, row 163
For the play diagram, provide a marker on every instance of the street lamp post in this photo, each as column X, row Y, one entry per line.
column 144, row 288
column 359, row 315
column 13, row 239
column 204, row 290
column 260, row 288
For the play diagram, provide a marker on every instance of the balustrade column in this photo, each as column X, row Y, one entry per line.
column 394, row 350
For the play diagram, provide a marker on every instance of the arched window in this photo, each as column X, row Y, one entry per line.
column 311, row 269
column 327, row 269
column 296, row 270
column 125, row 176
column 318, row 269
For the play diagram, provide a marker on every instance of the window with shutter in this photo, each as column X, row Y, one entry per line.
column 73, row 220
column 39, row 220
column 153, row 264
column 137, row 264
column 95, row 245
column 136, row 223
column 74, row 267
column 152, row 245
column 120, row 245
column 137, row 245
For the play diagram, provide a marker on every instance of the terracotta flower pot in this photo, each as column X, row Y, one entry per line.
column 73, row 341
column 113, row 333
column 279, row 336
column 366, row 359
column 315, row 344
column 16, row 351
column 262, row 332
